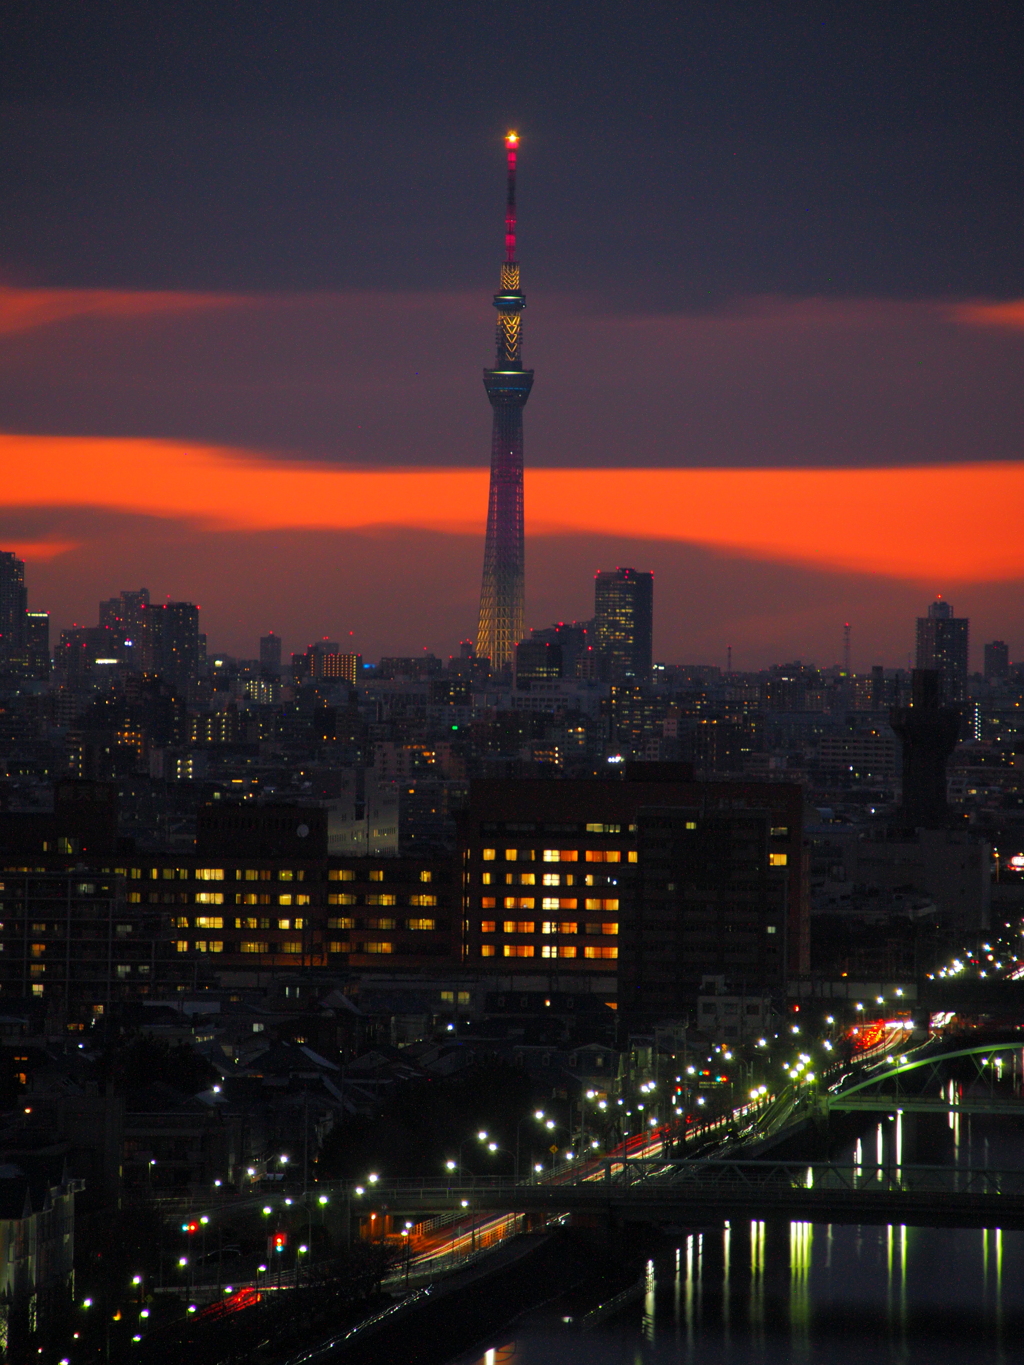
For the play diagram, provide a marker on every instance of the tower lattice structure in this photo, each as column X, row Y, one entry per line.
column 508, row 387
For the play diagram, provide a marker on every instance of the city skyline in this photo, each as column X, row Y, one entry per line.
column 794, row 352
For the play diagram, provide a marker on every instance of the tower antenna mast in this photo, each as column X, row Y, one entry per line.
column 508, row 387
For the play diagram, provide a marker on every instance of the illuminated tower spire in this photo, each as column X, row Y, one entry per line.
column 508, row 387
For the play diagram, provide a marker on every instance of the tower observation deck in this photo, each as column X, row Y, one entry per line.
column 508, row 387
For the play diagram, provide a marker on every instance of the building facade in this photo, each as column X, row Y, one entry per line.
column 623, row 623
column 560, row 882
column 943, row 645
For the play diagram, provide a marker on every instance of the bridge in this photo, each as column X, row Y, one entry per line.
column 681, row 1193
column 868, row 1096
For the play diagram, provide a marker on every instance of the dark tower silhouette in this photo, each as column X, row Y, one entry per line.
column 929, row 733
column 508, row 387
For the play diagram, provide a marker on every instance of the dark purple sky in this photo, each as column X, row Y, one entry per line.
column 747, row 231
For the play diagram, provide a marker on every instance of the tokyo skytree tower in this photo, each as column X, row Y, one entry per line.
column 508, row 387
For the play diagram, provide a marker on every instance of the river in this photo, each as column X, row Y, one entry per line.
column 814, row 1293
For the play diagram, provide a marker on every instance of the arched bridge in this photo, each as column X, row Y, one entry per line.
column 915, row 1086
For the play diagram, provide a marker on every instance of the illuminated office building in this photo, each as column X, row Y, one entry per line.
column 623, row 623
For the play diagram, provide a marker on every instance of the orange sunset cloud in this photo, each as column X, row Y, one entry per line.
column 878, row 521
column 23, row 310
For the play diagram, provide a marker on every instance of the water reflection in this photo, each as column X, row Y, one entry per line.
column 773, row 1293
column 768, row 1292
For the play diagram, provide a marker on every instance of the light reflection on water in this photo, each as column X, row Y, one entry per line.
column 813, row 1294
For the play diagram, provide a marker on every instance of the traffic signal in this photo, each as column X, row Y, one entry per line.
column 190, row 1228
column 280, row 1241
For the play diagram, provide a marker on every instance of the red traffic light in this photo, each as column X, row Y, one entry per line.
column 191, row 1227
column 280, row 1241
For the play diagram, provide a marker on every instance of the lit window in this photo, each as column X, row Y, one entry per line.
column 524, row 878
column 342, row 898
column 603, row 855
column 632, row 857
column 209, row 898
column 251, row 898
column 604, row 829
column 180, row 922
column 486, row 878
column 489, row 855
column 209, row 922
column 426, row 876
column 334, row 946
column 301, row 900
column 341, row 924
column 604, row 927
column 290, row 945
column 611, row 904
column 778, row 859
column 37, row 949
column 518, row 926
column 552, row 879
column 181, row 945
column 557, row 950
column 517, row 950
column 209, row 874
column 285, row 875
column 559, row 903
column 134, row 897
column 381, row 899
column 561, row 855
column 284, row 924
column 378, row 946
column 487, row 903
column 600, row 952
column 250, row 945
column 487, row 950
column 771, row 929
column 488, row 926
column 377, row 875
column 381, row 924
column 691, row 824
column 424, row 924
column 341, row 874
column 284, row 900
column 519, row 902
column 425, row 902
column 780, row 831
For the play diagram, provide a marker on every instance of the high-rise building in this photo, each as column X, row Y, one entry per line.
column 928, row 732
column 623, row 622
column 942, row 644
column 270, row 652
column 13, row 605
column 37, row 643
column 572, row 639
column 125, row 615
column 537, row 661
column 508, row 387
column 179, row 643
column 997, row 660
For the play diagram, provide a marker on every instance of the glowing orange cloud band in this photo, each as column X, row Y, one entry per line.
column 937, row 525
